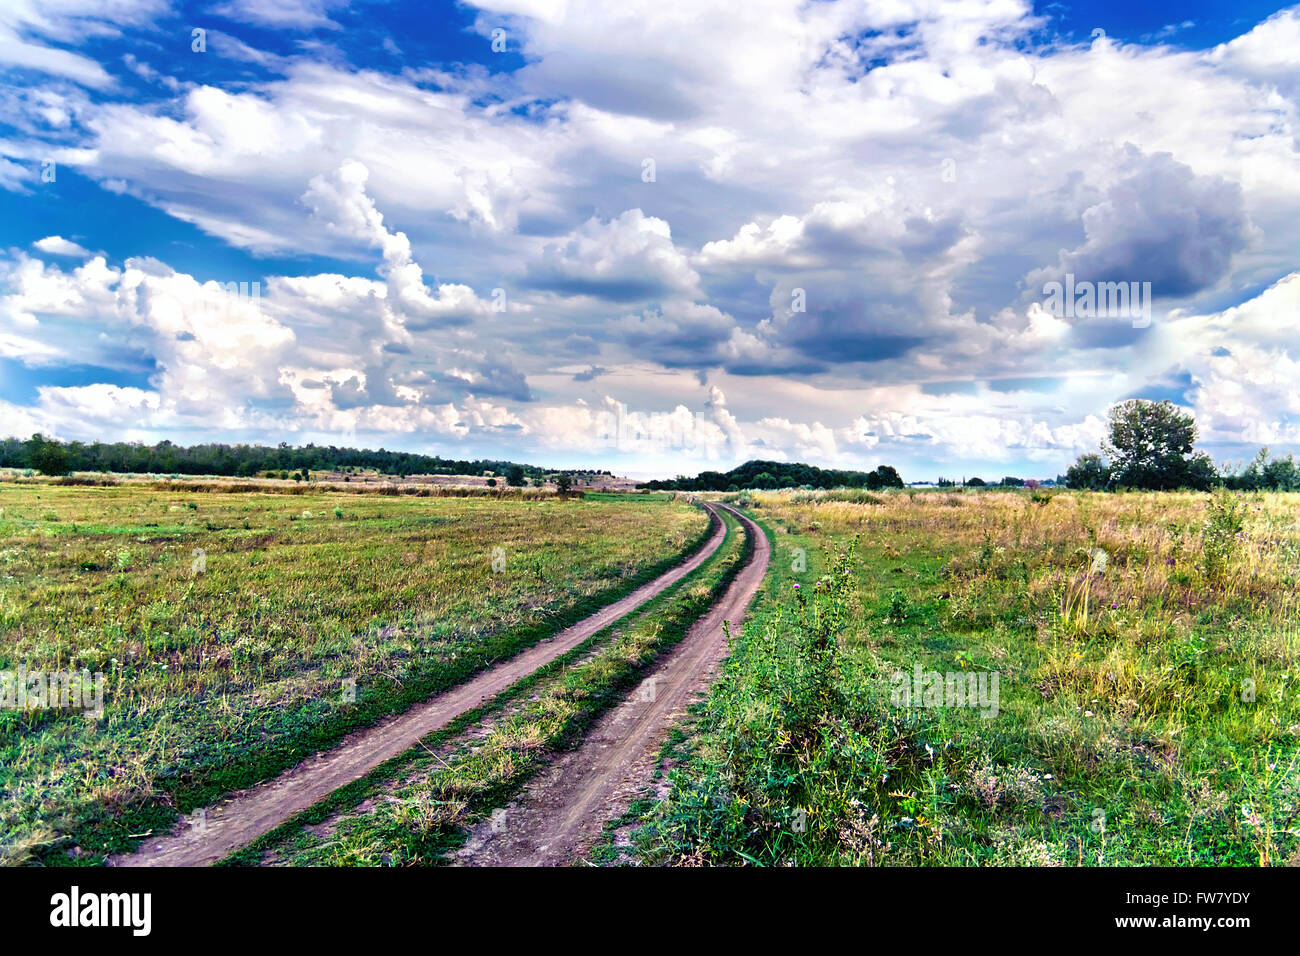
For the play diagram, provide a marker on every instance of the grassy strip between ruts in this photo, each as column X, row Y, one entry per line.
column 421, row 803
column 98, row 829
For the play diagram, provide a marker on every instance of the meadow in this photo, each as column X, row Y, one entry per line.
column 240, row 631
column 1144, row 644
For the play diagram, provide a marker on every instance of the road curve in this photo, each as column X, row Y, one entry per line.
column 245, row 815
column 563, row 811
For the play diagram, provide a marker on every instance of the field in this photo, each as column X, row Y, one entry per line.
column 1146, row 710
column 240, row 632
column 926, row 678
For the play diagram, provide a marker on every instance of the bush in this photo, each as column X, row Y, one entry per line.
column 1222, row 533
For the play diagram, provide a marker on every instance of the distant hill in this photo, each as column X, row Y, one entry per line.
column 779, row 474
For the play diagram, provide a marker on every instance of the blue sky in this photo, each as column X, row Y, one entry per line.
column 652, row 237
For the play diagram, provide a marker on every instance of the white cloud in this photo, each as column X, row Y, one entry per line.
column 25, row 23
column 913, row 169
column 630, row 258
column 282, row 14
column 58, row 246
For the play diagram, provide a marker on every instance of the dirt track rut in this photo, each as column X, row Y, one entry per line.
column 562, row 812
column 247, row 814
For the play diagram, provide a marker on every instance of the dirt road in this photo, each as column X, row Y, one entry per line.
column 562, row 812
column 247, row 814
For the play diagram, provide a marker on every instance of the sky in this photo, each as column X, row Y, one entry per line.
column 652, row 236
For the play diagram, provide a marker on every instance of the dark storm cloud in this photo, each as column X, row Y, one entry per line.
column 494, row 379
column 1161, row 224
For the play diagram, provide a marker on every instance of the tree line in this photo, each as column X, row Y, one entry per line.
column 54, row 457
column 779, row 474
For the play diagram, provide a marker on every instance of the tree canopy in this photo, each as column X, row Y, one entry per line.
column 1152, row 446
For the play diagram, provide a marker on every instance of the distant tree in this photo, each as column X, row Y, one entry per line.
column 1151, row 446
column 563, row 483
column 779, row 474
column 887, row 476
column 1282, row 474
column 946, row 482
column 1200, row 473
column 1089, row 473
column 46, row 456
column 976, row 483
column 1011, row 481
column 491, row 482
column 515, row 475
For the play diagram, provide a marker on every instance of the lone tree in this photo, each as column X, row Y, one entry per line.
column 563, row 483
column 1150, row 446
column 515, row 475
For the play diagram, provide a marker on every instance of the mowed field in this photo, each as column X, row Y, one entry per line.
column 240, row 632
column 1148, row 702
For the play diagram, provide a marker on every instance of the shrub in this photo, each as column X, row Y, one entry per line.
column 1222, row 533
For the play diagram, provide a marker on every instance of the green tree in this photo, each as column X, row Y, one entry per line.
column 46, row 456
column 515, row 475
column 563, row 483
column 1282, row 474
column 1089, row 473
column 887, row 476
column 1151, row 446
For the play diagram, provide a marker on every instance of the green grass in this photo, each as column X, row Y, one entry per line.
column 415, row 809
column 225, row 666
column 1124, row 735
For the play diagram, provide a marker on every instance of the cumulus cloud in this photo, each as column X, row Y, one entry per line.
column 1160, row 223
column 627, row 259
column 58, row 246
column 339, row 200
column 1244, row 367
column 855, row 207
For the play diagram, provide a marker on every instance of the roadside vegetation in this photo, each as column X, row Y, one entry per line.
column 241, row 632
column 1147, row 712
